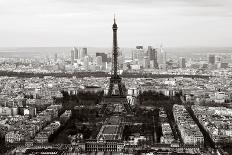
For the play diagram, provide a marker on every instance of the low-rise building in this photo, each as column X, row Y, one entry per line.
column 167, row 137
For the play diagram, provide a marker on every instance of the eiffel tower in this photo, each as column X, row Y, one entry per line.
column 115, row 78
column 116, row 103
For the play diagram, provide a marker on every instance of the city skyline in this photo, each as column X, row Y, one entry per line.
column 109, row 103
column 85, row 23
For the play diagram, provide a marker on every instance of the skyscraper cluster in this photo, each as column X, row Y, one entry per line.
column 217, row 61
column 145, row 58
column 78, row 54
column 148, row 59
column 80, row 59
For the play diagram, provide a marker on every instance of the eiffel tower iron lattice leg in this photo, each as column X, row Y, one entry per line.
column 113, row 82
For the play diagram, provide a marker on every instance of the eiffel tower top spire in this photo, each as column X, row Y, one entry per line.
column 115, row 27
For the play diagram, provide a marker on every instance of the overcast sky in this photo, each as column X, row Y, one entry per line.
column 174, row 23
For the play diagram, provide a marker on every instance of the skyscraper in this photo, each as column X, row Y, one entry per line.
column 86, row 62
column 149, row 49
column 72, row 56
column 109, row 57
column 161, row 58
column 83, row 52
column 76, row 55
column 182, row 62
column 55, row 57
column 146, row 62
column 138, row 55
column 152, row 56
column 99, row 60
column 103, row 55
column 212, row 59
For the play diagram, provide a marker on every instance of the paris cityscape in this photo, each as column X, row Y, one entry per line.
column 145, row 99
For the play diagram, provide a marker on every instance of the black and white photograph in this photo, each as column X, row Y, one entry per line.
column 115, row 77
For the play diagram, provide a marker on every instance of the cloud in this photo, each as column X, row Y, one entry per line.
column 153, row 3
column 69, row 7
column 175, row 22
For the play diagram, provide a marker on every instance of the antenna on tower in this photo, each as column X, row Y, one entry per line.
column 114, row 18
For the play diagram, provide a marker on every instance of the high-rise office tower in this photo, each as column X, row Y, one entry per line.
column 161, row 58
column 212, row 59
column 138, row 56
column 76, row 55
column 152, row 65
column 218, row 59
column 224, row 65
column 134, row 54
column 83, row 52
column 109, row 57
column 138, row 53
column 55, row 57
column 99, row 60
column 152, row 56
column 149, row 49
column 182, row 62
column 72, row 56
column 146, row 62
column 103, row 55
column 86, row 62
